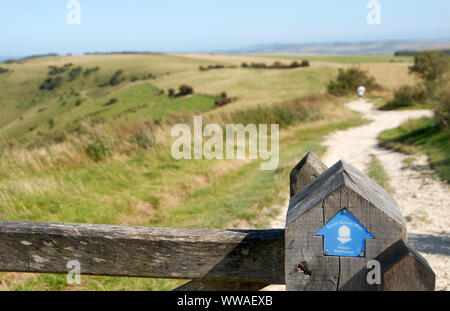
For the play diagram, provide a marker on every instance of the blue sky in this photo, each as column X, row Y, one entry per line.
column 34, row 27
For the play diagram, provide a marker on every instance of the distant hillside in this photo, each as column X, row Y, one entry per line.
column 414, row 53
column 369, row 47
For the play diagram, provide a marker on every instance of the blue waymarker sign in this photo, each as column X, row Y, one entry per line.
column 344, row 236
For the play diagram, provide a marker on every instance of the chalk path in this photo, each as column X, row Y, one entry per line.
column 423, row 199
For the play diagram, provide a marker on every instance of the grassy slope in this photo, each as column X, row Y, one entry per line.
column 150, row 188
column 425, row 136
column 390, row 75
column 24, row 107
column 152, row 191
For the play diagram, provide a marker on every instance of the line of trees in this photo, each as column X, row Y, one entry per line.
column 277, row 65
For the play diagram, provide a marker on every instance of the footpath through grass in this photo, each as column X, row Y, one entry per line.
column 160, row 192
column 422, row 136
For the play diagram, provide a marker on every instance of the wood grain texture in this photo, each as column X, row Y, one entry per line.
column 404, row 269
column 249, row 255
column 220, row 285
column 306, row 267
column 305, row 172
column 339, row 175
column 341, row 186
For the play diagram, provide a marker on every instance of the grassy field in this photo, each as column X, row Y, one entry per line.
column 25, row 109
column 112, row 163
column 389, row 74
column 151, row 190
column 421, row 136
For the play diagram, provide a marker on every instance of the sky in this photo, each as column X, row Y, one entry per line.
column 31, row 27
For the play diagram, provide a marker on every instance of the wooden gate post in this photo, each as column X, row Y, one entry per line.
column 319, row 258
column 340, row 190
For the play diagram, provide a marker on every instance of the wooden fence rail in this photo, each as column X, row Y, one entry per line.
column 239, row 259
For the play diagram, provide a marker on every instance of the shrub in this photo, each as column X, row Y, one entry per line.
column 244, row 65
column 58, row 138
column 88, row 71
column 305, row 63
column 3, row 70
column 295, row 64
column 405, row 96
column 78, row 102
column 430, row 66
column 349, row 80
column 142, row 140
column 134, row 78
column 97, row 151
column 223, row 102
column 110, row 102
column 223, row 95
column 74, row 73
column 51, row 123
column 201, row 68
column 51, row 83
column 54, row 70
column 258, row 65
column 116, row 78
column 171, row 92
column 442, row 107
column 277, row 65
column 185, row 90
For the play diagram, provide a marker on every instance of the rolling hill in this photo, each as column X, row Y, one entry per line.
column 344, row 48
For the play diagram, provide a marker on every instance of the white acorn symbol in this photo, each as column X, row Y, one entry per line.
column 344, row 234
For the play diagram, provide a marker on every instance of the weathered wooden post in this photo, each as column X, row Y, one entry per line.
column 336, row 225
column 403, row 268
column 305, row 172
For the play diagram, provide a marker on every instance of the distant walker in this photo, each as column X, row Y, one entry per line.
column 361, row 90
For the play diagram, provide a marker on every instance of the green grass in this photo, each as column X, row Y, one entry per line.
column 25, row 110
column 413, row 105
column 137, row 101
column 422, row 136
column 376, row 171
column 152, row 190
column 253, row 86
column 132, row 186
column 23, row 106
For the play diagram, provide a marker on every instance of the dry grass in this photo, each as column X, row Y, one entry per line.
column 390, row 75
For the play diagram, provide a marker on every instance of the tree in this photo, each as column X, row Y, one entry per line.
column 430, row 66
column 348, row 81
column 442, row 106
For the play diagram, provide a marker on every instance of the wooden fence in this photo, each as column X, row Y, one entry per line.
column 243, row 259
